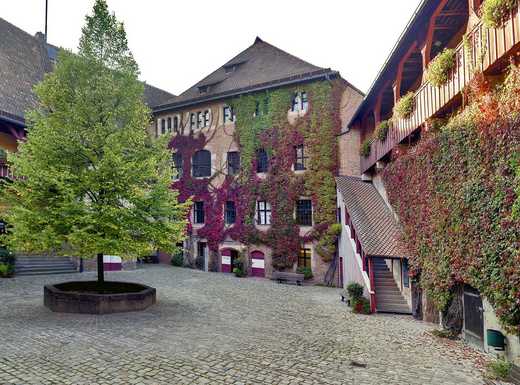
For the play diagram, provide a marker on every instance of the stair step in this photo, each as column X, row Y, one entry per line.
column 42, row 268
column 46, row 259
column 37, row 272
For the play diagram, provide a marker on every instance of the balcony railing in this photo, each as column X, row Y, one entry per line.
column 487, row 46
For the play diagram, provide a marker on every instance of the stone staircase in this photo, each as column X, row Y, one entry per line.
column 42, row 265
column 388, row 297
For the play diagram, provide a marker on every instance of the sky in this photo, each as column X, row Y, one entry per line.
column 178, row 42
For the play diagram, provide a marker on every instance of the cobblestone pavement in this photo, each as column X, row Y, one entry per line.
column 211, row 328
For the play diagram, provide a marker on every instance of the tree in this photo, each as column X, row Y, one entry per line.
column 92, row 181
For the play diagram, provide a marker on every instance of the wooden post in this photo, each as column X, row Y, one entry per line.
column 100, row 269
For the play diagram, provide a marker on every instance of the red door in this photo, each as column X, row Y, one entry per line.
column 257, row 264
column 226, row 260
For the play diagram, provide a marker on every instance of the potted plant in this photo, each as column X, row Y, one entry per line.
column 440, row 67
column 382, row 130
column 404, row 106
column 366, row 147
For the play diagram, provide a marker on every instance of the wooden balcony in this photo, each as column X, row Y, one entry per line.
column 430, row 100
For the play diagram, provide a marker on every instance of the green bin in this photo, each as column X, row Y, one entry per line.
column 496, row 339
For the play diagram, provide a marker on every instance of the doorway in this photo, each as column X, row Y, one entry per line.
column 473, row 316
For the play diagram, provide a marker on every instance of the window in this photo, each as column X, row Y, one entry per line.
column 263, row 213
column 229, row 114
column 193, row 121
column 261, row 107
column 206, row 118
column 177, row 165
column 163, row 126
column 300, row 102
column 262, row 161
column 305, row 102
column 406, row 277
column 201, row 249
column 176, row 124
column 198, row 212
column 300, row 158
column 201, row 164
column 304, row 212
column 200, row 120
column 169, row 124
column 230, row 214
column 233, row 162
column 304, row 259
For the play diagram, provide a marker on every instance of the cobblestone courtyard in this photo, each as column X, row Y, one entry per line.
column 210, row 328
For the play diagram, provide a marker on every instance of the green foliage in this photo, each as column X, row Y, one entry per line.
column 404, row 106
column 6, row 270
column 444, row 333
column 178, row 259
column 440, row 67
column 354, row 290
column 93, row 180
column 366, row 147
column 306, row 271
column 494, row 12
column 360, row 305
column 498, row 369
column 317, row 130
column 3, row 154
column 456, row 194
column 382, row 130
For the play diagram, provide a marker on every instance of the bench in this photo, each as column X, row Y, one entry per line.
column 282, row 276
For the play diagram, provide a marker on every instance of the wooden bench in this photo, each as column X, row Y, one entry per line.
column 282, row 276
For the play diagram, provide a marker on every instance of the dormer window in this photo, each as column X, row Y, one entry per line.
column 203, row 89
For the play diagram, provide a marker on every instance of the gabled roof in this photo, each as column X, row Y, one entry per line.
column 24, row 60
column 260, row 66
column 23, row 63
column 374, row 223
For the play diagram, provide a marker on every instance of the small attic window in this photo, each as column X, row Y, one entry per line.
column 203, row 89
column 231, row 68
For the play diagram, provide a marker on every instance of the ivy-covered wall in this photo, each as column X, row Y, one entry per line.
column 278, row 132
column 457, row 195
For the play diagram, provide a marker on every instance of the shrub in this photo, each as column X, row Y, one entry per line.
column 6, row 270
column 3, row 154
column 439, row 69
column 239, row 272
column 449, row 334
column 404, row 106
column 306, row 271
column 355, row 290
column 6, row 256
column 498, row 370
column 494, row 12
column 382, row 130
column 178, row 259
column 360, row 305
column 366, row 147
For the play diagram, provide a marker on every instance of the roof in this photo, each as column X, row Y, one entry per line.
column 258, row 67
column 24, row 60
column 154, row 96
column 410, row 32
column 374, row 223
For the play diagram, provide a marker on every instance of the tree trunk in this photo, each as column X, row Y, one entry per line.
column 100, row 270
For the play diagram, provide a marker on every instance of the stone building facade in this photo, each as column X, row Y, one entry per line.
column 223, row 163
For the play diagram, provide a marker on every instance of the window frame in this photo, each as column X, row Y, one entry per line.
column 201, row 170
column 177, row 165
column 199, row 216
column 228, row 114
column 206, row 117
column 230, row 213
column 304, row 256
column 263, row 213
column 304, row 214
column 193, row 120
column 300, row 158
column 262, row 161
column 163, row 126
column 176, row 124
column 232, row 168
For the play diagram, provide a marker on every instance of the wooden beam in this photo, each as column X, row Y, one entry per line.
column 399, row 77
column 431, row 30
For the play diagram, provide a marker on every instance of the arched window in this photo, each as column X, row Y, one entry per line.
column 262, row 161
column 201, row 164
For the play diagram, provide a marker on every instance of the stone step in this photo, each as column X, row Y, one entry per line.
column 61, row 266
column 394, row 297
column 46, row 272
column 41, row 259
column 383, row 308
